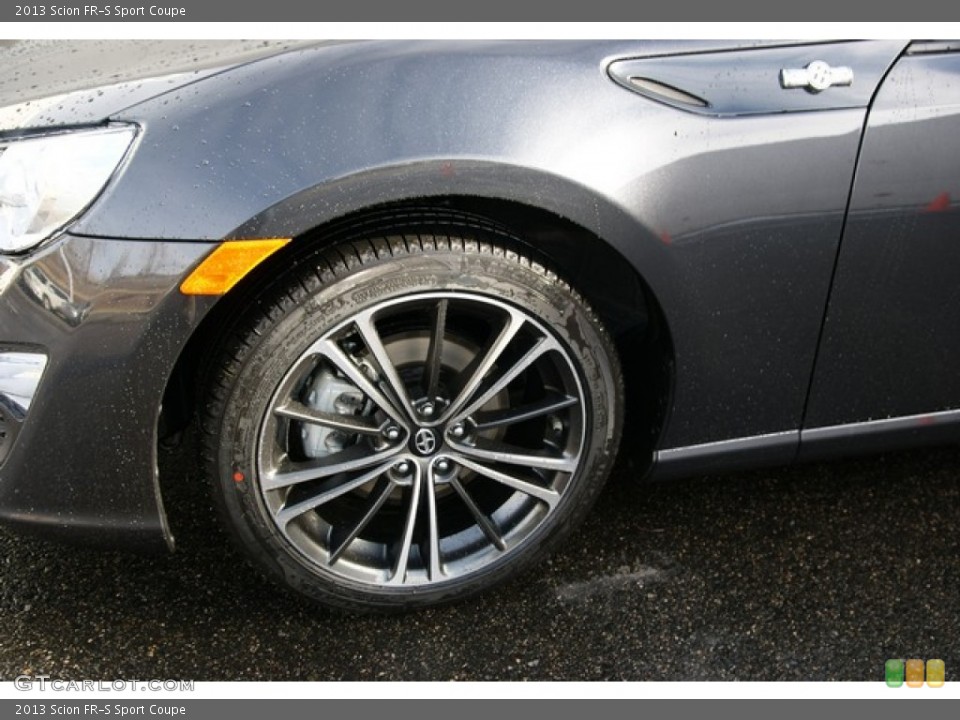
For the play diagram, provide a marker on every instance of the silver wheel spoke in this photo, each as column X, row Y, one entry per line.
column 505, row 378
column 482, row 520
column 434, row 571
column 355, row 457
column 332, row 352
column 325, row 495
column 494, row 451
column 398, row 573
column 349, row 423
column 371, row 338
column 476, row 372
column 376, row 500
column 431, row 372
column 550, row 497
column 553, row 402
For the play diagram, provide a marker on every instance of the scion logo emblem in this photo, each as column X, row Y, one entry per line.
column 425, row 441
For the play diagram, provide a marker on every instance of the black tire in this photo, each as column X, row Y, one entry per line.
column 444, row 522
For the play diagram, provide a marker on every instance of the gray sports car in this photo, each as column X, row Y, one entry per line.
column 407, row 292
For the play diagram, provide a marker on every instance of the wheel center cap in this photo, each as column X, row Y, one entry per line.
column 425, row 442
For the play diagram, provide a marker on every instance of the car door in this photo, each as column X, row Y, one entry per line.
column 886, row 371
column 750, row 209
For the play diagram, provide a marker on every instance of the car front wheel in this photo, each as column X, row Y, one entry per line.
column 405, row 421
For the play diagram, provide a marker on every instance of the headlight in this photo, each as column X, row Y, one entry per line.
column 45, row 182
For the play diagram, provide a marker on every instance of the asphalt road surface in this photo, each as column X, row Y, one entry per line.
column 810, row 573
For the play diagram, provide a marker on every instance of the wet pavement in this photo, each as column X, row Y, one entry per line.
column 816, row 572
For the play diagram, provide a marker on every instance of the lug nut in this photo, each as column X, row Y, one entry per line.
column 392, row 433
column 402, row 467
column 427, row 409
column 442, row 465
column 458, row 431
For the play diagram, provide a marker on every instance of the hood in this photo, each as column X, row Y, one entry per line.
column 56, row 83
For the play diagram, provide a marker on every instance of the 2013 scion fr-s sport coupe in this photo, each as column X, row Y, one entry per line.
column 409, row 288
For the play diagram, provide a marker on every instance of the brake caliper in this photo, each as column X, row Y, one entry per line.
column 330, row 394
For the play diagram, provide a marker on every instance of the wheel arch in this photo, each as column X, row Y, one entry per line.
column 594, row 266
column 617, row 261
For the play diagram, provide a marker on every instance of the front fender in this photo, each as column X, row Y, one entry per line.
column 732, row 222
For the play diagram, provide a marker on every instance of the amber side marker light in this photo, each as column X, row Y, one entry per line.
column 228, row 264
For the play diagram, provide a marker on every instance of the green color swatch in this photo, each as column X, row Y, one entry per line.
column 893, row 670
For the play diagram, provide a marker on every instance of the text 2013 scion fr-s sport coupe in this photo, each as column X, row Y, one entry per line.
column 409, row 288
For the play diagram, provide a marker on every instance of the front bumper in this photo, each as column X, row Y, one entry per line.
column 101, row 323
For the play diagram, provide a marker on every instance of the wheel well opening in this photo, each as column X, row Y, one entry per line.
column 595, row 269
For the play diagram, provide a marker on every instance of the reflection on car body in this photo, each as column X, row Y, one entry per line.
column 52, row 296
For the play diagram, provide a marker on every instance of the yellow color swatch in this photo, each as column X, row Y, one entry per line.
column 935, row 673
